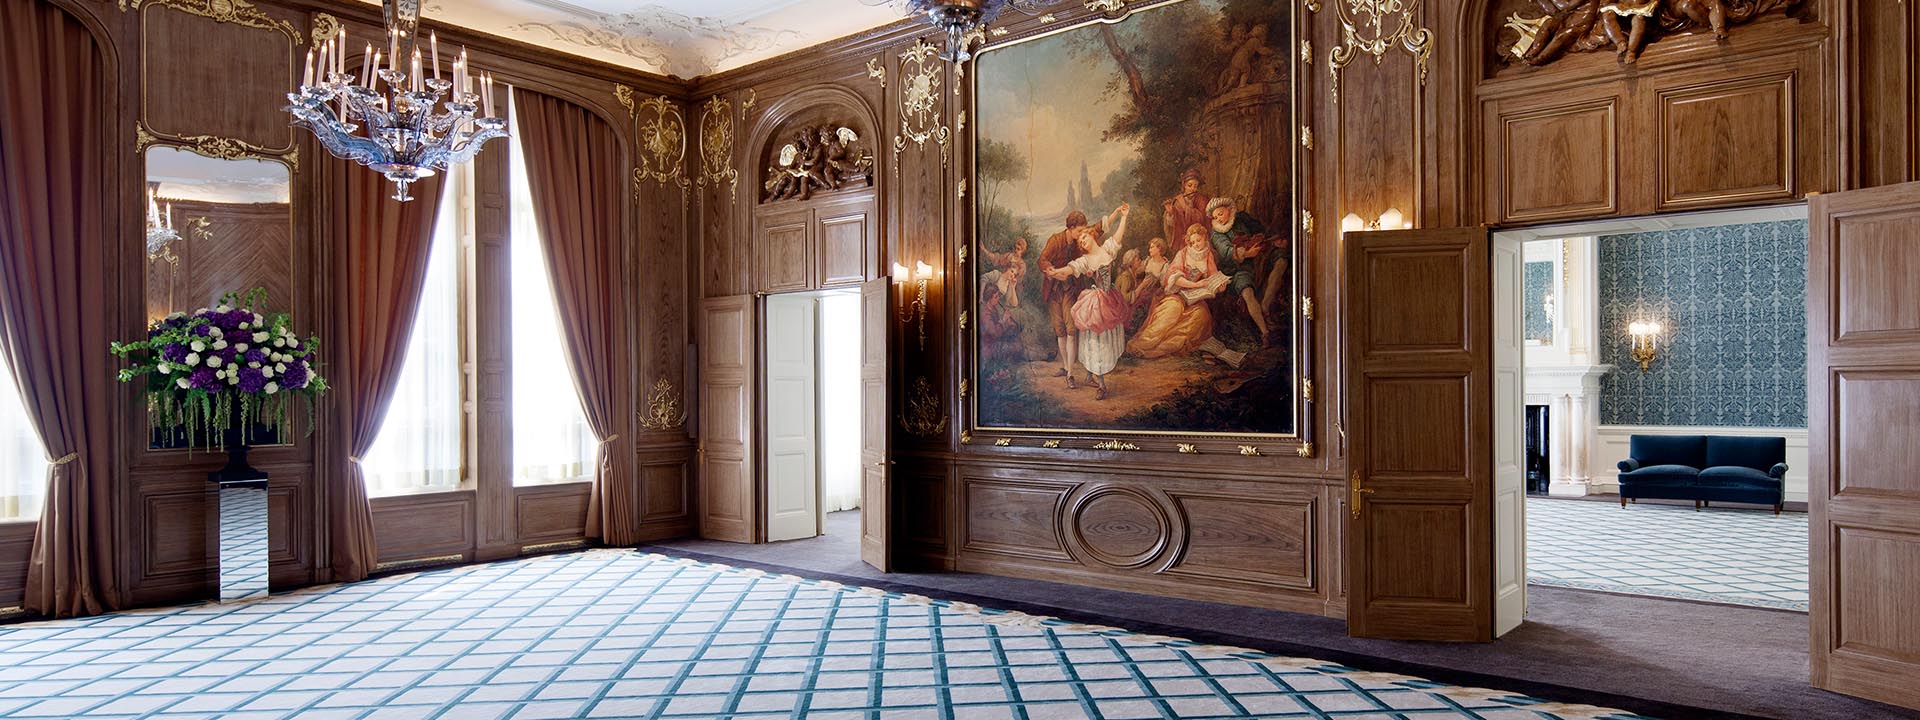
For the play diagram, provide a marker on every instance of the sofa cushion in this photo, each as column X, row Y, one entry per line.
column 1729, row 475
column 1759, row 453
column 1670, row 474
column 1654, row 450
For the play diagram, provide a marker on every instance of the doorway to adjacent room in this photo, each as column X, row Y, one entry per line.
column 812, row 414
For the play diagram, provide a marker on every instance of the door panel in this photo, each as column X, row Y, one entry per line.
column 792, row 442
column 1509, row 423
column 725, row 455
column 876, row 464
column 1420, row 377
column 1863, row 412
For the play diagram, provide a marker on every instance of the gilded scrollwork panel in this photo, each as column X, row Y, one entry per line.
column 1373, row 27
column 214, row 146
column 920, row 113
column 663, row 144
column 716, row 146
column 238, row 12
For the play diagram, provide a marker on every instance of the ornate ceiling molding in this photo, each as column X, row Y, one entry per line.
column 676, row 43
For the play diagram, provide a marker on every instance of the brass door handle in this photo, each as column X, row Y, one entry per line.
column 1353, row 487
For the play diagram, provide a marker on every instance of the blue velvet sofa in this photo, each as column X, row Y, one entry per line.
column 1705, row 468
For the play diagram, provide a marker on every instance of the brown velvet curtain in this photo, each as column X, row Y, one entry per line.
column 379, row 265
column 578, row 183
column 55, row 302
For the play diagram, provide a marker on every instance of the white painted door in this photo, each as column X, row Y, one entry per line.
column 1509, row 433
column 792, row 441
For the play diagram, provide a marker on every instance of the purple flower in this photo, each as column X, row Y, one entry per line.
column 174, row 353
column 227, row 354
column 251, row 380
column 204, row 379
column 231, row 319
column 256, row 355
column 201, row 330
column 295, row 376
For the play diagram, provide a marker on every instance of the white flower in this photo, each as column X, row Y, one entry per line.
column 219, row 344
column 239, row 347
column 272, row 387
column 243, row 325
column 213, row 361
column 279, row 342
column 223, row 308
column 215, row 331
column 197, row 346
column 280, row 367
column 201, row 311
column 182, row 382
column 257, row 319
column 233, row 379
column 164, row 368
column 193, row 359
column 261, row 336
column 266, row 372
column 176, row 315
column 293, row 342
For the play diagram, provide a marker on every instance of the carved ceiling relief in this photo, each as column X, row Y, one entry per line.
column 819, row 157
column 920, row 82
column 675, row 43
column 1539, row 32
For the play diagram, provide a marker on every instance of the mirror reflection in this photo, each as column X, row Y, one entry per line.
column 213, row 226
column 243, row 541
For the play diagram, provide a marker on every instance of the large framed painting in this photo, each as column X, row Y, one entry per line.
column 1135, row 221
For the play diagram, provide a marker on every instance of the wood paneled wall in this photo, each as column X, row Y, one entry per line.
column 1786, row 107
column 1790, row 105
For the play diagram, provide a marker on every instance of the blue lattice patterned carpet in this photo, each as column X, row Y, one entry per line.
column 1726, row 555
column 620, row 634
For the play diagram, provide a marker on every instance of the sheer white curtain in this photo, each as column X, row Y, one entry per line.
column 839, row 344
column 551, row 440
column 420, row 445
column 23, row 460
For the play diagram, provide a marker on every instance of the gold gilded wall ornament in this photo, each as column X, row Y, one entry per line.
column 1106, row 6
column 1306, row 449
column 747, row 104
column 1306, row 221
column 1002, row 442
column 663, row 144
column 1048, row 19
column 924, row 416
column 214, row 146
column 960, row 189
column 920, row 101
column 325, row 27
column 1050, row 444
column 1250, row 451
column 1115, row 445
column 1313, row 6
column 663, row 407
column 237, row 12
column 966, row 438
column 1187, row 449
column 1375, row 26
column 1306, row 307
column 963, row 328
column 1306, row 389
column 716, row 146
column 1306, row 51
column 1306, row 137
column 963, row 389
column 877, row 71
column 624, row 95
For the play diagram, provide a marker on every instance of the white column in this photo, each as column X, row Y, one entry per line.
column 1579, row 429
column 1557, row 416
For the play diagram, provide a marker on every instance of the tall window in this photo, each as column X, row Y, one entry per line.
column 419, row 448
column 551, row 440
column 23, row 463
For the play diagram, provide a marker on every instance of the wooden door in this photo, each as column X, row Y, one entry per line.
column 1863, row 414
column 1419, row 373
column 725, row 454
column 1509, row 435
column 792, row 439
column 876, row 488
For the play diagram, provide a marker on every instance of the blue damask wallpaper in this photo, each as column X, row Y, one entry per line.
column 1732, row 302
column 1539, row 282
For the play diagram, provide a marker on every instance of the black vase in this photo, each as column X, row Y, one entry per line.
column 237, row 471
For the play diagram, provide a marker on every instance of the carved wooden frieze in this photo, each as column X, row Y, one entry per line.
column 1542, row 31
column 820, row 157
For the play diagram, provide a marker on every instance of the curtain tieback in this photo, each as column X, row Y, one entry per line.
column 355, row 459
column 610, row 438
column 64, row 459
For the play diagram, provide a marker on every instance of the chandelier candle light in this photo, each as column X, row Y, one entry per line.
column 394, row 128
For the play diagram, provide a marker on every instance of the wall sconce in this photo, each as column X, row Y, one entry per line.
column 916, row 307
column 1645, row 339
column 1392, row 219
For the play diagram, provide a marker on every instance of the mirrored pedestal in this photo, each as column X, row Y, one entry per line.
column 243, row 540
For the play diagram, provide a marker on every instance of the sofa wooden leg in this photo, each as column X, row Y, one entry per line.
column 1706, row 503
column 1776, row 508
column 1623, row 501
column 1696, row 506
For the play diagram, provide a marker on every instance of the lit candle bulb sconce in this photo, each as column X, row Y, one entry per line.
column 1644, row 339
column 914, row 308
column 1392, row 219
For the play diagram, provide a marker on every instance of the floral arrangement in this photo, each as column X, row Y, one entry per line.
column 212, row 368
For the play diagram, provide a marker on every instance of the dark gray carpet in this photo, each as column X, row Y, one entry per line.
column 1665, row 658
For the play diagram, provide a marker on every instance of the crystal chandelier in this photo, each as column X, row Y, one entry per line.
column 389, row 116
column 160, row 232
